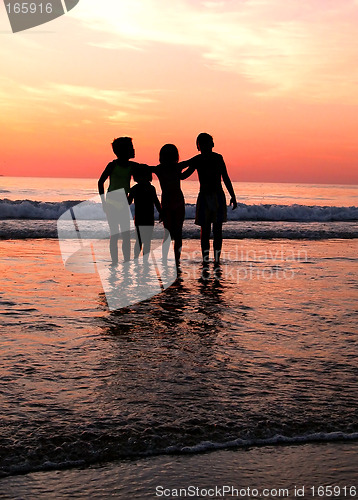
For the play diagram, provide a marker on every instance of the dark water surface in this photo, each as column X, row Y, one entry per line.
column 264, row 351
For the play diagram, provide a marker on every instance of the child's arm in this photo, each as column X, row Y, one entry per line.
column 228, row 185
column 130, row 197
column 157, row 203
column 104, row 176
column 183, row 164
column 191, row 168
column 187, row 173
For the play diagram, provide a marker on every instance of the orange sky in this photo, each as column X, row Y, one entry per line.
column 274, row 81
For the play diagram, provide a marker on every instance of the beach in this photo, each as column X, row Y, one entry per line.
column 256, row 355
column 119, row 380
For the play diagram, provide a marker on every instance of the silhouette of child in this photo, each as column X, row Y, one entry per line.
column 173, row 205
column 211, row 203
column 145, row 199
column 119, row 172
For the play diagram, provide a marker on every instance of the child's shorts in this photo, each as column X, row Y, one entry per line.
column 211, row 208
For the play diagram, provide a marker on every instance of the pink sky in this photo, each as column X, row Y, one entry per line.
column 274, row 81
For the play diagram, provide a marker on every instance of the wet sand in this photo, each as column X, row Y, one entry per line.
column 272, row 472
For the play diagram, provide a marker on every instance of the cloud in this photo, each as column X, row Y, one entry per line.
column 91, row 94
column 108, row 104
column 114, row 45
column 288, row 46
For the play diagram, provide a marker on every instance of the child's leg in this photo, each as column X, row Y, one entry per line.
column 218, row 241
column 168, row 234
column 113, row 248
column 166, row 245
column 146, row 236
column 126, row 246
column 205, row 241
column 114, row 235
column 177, row 234
column 178, row 243
column 138, row 243
column 124, row 222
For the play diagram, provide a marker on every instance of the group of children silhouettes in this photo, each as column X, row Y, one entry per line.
column 211, row 209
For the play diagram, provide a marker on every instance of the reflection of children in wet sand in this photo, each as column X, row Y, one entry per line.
column 145, row 199
column 173, row 206
column 211, row 203
column 115, row 204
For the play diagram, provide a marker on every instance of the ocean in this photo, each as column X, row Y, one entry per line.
column 30, row 207
column 246, row 374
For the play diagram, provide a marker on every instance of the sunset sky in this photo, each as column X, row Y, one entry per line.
column 274, row 81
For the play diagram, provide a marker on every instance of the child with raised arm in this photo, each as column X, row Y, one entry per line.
column 145, row 199
column 211, row 203
column 115, row 205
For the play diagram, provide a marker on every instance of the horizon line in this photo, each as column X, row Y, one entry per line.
column 193, row 180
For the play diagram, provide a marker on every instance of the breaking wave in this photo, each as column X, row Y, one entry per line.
column 27, row 209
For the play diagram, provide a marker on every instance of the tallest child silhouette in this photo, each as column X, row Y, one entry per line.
column 211, row 203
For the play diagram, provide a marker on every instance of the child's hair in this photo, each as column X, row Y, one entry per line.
column 142, row 175
column 169, row 154
column 123, row 146
column 204, row 140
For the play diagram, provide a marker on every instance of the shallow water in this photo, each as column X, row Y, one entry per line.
column 262, row 351
column 55, row 190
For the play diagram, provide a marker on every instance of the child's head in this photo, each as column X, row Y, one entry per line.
column 169, row 154
column 142, row 175
column 204, row 142
column 123, row 147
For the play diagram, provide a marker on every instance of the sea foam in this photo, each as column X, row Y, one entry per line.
column 27, row 209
